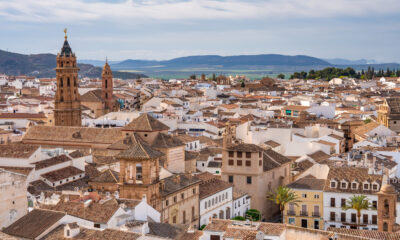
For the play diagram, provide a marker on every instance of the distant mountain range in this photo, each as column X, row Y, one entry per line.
column 341, row 61
column 43, row 65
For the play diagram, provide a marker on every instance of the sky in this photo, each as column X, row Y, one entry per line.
column 165, row 29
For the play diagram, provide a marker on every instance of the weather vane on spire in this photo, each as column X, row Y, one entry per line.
column 65, row 31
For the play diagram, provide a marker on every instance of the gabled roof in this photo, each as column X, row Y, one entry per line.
column 107, row 176
column 166, row 141
column 145, row 123
column 92, row 96
column 34, row 223
column 139, row 150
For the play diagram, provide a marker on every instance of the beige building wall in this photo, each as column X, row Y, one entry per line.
column 182, row 207
column 262, row 182
column 13, row 197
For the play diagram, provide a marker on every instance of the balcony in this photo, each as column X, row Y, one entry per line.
column 316, row 214
column 304, row 213
column 291, row 213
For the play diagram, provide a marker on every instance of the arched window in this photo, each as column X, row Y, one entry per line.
column 386, row 208
column 61, row 82
column 385, row 227
column 106, row 84
column 68, row 82
column 106, row 95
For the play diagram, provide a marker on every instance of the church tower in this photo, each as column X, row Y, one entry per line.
column 107, row 88
column 67, row 105
column 387, row 199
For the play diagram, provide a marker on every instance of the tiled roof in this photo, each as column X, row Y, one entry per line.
column 363, row 130
column 272, row 143
column 212, row 187
column 394, row 105
column 61, row 174
column 72, row 134
column 350, row 174
column 107, row 176
column 17, row 150
column 34, row 223
column 165, row 230
column 163, row 140
column 145, row 123
column 139, row 150
column 272, row 159
column 99, row 212
column 51, row 161
column 178, row 182
column 319, row 156
column 190, row 155
column 307, row 183
column 92, row 96
column 245, row 147
column 366, row 234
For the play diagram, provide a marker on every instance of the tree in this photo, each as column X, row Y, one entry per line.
column 281, row 76
column 282, row 196
column 358, row 203
column 242, row 84
column 193, row 76
column 368, row 120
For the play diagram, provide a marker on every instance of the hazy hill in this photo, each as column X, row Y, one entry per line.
column 215, row 61
column 42, row 65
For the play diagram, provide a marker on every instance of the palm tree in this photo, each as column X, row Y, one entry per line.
column 358, row 203
column 282, row 196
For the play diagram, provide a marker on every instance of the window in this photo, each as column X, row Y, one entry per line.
column 343, row 185
column 259, row 163
column 239, row 162
column 375, row 187
column 145, row 134
column 184, row 216
column 166, row 203
column 230, row 162
column 333, row 202
column 374, row 219
column 333, row 184
column 174, row 219
column 97, row 225
column 353, row 217
column 259, row 154
column 343, row 202
column 248, row 154
column 205, row 205
column 366, row 186
column 292, row 221
column 230, row 179
column 248, row 163
column 304, row 195
column 316, row 196
column 316, row 224
column 68, row 82
column 332, row 216
column 230, row 153
column 175, row 199
column 374, row 204
column 248, row 179
column 365, row 218
column 239, row 154
column 343, row 217
column 194, row 190
column 354, row 186
column 182, row 196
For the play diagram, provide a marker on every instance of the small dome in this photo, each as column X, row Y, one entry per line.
column 387, row 188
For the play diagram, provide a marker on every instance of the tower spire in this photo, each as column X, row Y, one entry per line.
column 65, row 32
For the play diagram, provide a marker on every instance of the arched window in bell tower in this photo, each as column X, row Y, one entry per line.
column 106, row 84
column 106, row 95
column 385, row 227
column 139, row 171
column 68, row 82
column 386, row 208
column 61, row 82
column 61, row 96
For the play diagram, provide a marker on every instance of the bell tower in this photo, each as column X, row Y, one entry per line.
column 67, row 105
column 107, row 88
column 387, row 199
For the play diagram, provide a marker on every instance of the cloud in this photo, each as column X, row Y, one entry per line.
column 132, row 10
